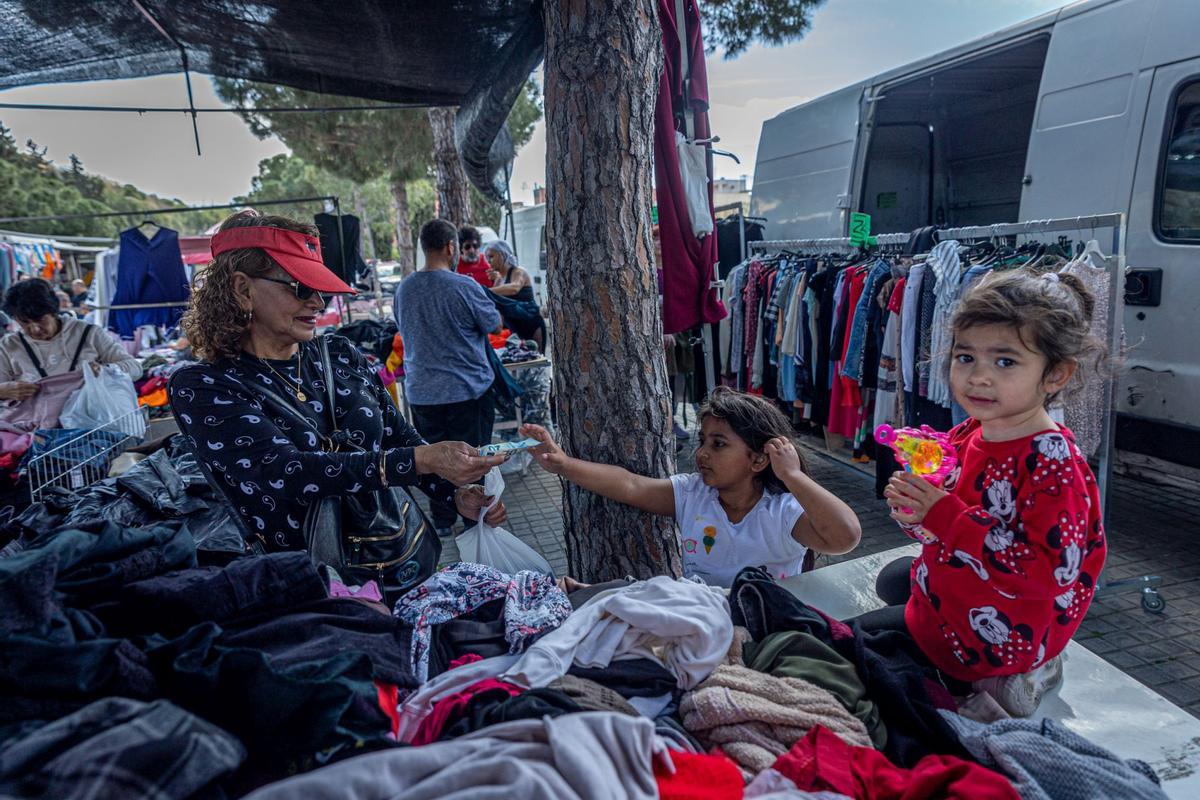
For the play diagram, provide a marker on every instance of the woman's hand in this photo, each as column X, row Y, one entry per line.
column 457, row 462
column 470, row 500
column 18, row 390
column 95, row 365
column 785, row 459
column 547, row 454
column 910, row 497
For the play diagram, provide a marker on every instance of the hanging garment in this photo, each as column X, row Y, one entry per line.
column 345, row 261
column 148, row 271
column 845, row 412
column 908, row 326
column 947, row 271
column 688, row 261
column 888, row 374
column 1086, row 407
column 693, row 173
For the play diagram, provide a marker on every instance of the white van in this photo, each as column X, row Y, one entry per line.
column 1091, row 109
column 529, row 225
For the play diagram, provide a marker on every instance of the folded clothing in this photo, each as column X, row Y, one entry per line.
column 1046, row 761
column 591, row 696
column 630, row 677
column 821, row 761
column 533, row 604
column 681, row 623
column 698, row 776
column 797, row 654
column 754, row 717
column 590, row 756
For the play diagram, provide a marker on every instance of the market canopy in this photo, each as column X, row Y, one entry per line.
column 472, row 53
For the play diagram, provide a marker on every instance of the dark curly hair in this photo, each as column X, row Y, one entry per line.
column 756, row 421
column 30, row 300
column 215, row 323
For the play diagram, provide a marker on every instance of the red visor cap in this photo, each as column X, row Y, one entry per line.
column 297, row 253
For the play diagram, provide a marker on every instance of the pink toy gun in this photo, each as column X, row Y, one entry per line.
column 923, row 451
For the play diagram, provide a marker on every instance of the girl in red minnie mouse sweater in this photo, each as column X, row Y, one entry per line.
column 1013, row 543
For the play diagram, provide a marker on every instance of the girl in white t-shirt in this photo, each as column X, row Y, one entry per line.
column 750, row 502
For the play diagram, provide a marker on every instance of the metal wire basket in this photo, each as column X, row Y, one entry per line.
column 84, row 459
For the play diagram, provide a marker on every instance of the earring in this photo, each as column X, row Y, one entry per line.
column 249, row 316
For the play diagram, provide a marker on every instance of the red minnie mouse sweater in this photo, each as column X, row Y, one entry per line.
column 1017, row 548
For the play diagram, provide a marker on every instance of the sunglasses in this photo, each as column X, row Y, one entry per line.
column 302, row 292
column 470, row 245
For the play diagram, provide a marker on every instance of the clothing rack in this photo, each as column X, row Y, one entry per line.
column 1115, row 303
column 337, row 206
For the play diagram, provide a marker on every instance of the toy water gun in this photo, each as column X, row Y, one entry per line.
column 923, row 451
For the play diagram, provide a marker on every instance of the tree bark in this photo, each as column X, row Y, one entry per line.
column 603, row 61
column 405, row 251
column 367, row 242
column 453, row 189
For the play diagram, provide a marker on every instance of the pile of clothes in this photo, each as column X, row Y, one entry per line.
column 146, row 653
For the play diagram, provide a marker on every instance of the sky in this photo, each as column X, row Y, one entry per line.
column 849, row 40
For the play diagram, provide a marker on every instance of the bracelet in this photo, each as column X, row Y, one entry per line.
column 383, row 467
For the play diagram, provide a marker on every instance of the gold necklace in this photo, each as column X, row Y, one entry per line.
column 294, row 388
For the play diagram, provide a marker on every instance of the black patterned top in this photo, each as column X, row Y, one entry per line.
column 270, row 467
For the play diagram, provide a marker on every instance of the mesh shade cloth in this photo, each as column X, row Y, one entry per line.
column 425, row 52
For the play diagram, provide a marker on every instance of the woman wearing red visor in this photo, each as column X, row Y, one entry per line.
column 252, row 322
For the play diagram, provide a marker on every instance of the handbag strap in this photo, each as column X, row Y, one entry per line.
column 32, row 355
column 327, row 368
column 87, row 332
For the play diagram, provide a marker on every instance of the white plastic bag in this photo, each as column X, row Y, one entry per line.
column 101, row 400
column 496, row 547
column 693, row 172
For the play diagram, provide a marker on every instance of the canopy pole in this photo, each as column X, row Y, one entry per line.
column 183, row 57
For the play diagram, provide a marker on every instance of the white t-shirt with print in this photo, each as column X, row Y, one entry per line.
column 715, row 549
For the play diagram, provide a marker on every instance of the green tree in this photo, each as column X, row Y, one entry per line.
column 358, row 146
column 286, row 175
column 733, row 25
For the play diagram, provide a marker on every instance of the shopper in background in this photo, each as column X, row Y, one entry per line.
column 512, row 292
column 79, row 293
column 471, row 261
column 444, row 320
column 50, row 342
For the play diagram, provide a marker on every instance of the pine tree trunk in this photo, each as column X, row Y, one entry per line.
column 405, row 251
column 603, row 60
column 453, row 189
column 367, row 242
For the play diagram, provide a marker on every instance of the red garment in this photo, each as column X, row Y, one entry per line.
column 896, row 301
column 845, row 401
column 823, row 762
column 1019, row 548
column 687, row 262
column 699, row 777
column 389, row 701
column 478, row 271
column 449, row 709
column 462, row 661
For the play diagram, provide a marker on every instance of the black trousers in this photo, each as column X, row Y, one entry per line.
column 469, row 421
column 894, row 588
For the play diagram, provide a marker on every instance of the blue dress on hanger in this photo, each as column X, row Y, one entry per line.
column 148, row 271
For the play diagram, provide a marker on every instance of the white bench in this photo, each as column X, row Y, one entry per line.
column 1095, row 699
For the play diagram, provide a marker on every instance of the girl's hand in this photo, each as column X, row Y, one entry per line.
column 785, row 461
column 910, row 497
column 548, row 454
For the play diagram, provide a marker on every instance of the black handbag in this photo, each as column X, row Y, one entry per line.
column 380, row 536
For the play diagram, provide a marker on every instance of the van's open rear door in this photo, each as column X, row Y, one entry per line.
column 802, row 180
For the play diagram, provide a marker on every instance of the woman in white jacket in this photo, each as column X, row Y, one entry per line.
column 49, row 343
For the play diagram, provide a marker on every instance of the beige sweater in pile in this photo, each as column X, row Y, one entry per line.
column 55, row 354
